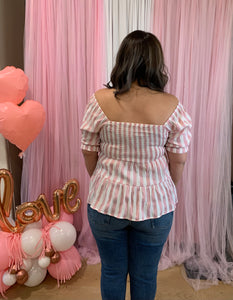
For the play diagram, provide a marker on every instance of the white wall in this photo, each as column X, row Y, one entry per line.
column 3, row 153
column 3, row 161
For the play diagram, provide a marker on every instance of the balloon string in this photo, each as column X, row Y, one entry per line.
column 45, row 237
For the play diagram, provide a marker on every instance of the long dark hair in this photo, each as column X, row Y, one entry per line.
column 139, row 58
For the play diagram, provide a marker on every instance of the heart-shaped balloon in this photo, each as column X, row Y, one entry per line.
column 21, row 124
column 13, row 85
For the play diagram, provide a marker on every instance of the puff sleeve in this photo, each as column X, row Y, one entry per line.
column 179, row 136
column 90, row 127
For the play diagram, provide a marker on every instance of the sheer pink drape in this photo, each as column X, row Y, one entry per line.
column 196, row 38
column 64, row 60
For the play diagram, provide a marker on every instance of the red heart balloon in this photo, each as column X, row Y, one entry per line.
column 13, row 85
column 21, row 124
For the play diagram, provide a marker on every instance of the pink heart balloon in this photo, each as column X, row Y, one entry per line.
column 13, row 85
column 21, row 124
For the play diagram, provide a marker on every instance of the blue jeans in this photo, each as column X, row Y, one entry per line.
column 129, row 247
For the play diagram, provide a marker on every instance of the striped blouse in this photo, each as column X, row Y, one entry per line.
column 132, row 179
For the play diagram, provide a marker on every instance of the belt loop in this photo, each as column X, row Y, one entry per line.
column 152, row 223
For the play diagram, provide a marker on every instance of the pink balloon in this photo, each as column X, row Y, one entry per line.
column 4, row 252
column 13, row 85
column 63, row 217
column 69, row 264
column 21, row 124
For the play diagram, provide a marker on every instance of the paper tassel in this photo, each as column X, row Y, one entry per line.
column 68, row 265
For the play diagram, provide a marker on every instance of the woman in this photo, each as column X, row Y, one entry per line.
column 135, row 139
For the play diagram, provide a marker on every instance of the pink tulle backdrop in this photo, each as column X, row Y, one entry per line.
column 196, row 38
column 65, row 60
column 64, row 47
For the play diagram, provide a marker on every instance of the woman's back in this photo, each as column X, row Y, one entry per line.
column 129, row 129
column 138, row 105
column 134, row 140
column 132, row 136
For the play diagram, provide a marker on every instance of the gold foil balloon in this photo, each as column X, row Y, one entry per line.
column 28, row 212
column 43, row 205
column 55, row 258
column 21, row 276
column 6, row 201
column 31, row 212
column 70, row 191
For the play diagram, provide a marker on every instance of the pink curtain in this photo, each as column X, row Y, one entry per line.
column 196, row 38
column 64, row 60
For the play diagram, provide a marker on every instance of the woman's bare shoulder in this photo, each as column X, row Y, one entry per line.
column 105, row 92
column 104, row 95
column 170, row 100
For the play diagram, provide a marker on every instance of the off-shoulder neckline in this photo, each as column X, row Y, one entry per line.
column 135, row 123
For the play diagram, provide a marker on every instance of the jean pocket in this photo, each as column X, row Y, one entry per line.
column 164, row 222
column 94, row 217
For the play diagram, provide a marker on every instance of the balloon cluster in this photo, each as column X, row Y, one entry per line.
column 41, row 238
column 18, row 124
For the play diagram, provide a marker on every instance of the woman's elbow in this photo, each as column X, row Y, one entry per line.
column 177, row 158
column 87, row 153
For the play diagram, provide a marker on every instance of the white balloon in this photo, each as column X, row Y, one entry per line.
column 31, row 242
column 27, row 264
column 8, row 279
column 35, row 275
column 44, row 262
column 37, row 225
column 62, row 235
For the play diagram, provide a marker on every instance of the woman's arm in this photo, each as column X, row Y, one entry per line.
column 91, row 159
column 176, row 165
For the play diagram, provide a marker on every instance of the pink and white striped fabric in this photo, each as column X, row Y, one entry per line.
column 132, row 180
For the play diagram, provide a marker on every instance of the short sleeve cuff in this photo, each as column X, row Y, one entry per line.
column 92, row 148
column 177, row 150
